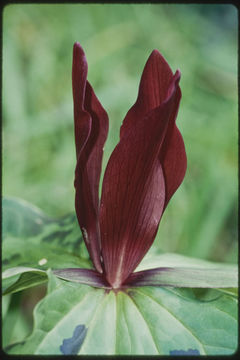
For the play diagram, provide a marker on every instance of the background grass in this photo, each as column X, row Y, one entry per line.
column 38, row 142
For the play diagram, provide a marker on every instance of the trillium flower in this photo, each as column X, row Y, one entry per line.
column 143, row 172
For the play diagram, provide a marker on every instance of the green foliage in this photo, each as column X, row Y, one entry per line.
column 79, row 319
column 139, row 321
column 38, row 142
column 33, row 241
column 19, row 278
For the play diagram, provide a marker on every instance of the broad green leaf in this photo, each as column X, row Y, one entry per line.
column 5, row 305
column 230, row 291
column 25, row 222
column 79, row 319
column 31, row 252
column 15, row 326
column 32, row 239
column 20, row 278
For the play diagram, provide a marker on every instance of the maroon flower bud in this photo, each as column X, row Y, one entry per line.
column 145, row 169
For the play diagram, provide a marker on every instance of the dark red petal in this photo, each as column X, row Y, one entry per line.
column 155, row 85
column 153, row 90
column 174, row 163
column 184, row 277
column 133, row 193
column 82, row 120
column 173, row 155
column 91, row 127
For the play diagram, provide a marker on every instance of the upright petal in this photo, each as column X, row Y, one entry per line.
column 153, row 90
column 91, row 128
column 155, row 85
column 133, row 193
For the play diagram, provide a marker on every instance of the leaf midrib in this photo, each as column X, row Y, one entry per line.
column 94, row 316
column 150, row 331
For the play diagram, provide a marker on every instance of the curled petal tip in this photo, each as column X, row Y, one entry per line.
column 78, row 50
column 178, row 72
column 177, row 76
column 156, row 55
column 174, row 85
column 77, row 45
column 155, row 52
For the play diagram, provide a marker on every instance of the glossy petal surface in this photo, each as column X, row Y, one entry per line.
column 91, row 127
column 185, row 277
column 153, row 90
column 174, row 162
column 133, row 193
column 155, row 84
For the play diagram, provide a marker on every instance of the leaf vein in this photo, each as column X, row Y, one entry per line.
column 189, row 330
column 150, row 330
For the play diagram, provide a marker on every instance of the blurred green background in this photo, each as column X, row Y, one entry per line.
column 38, row 141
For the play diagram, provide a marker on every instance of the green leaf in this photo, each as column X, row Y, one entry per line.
column 25, row 222
column 79, row 319
column 20, row 278
column 15, row 326
column 32, row 239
